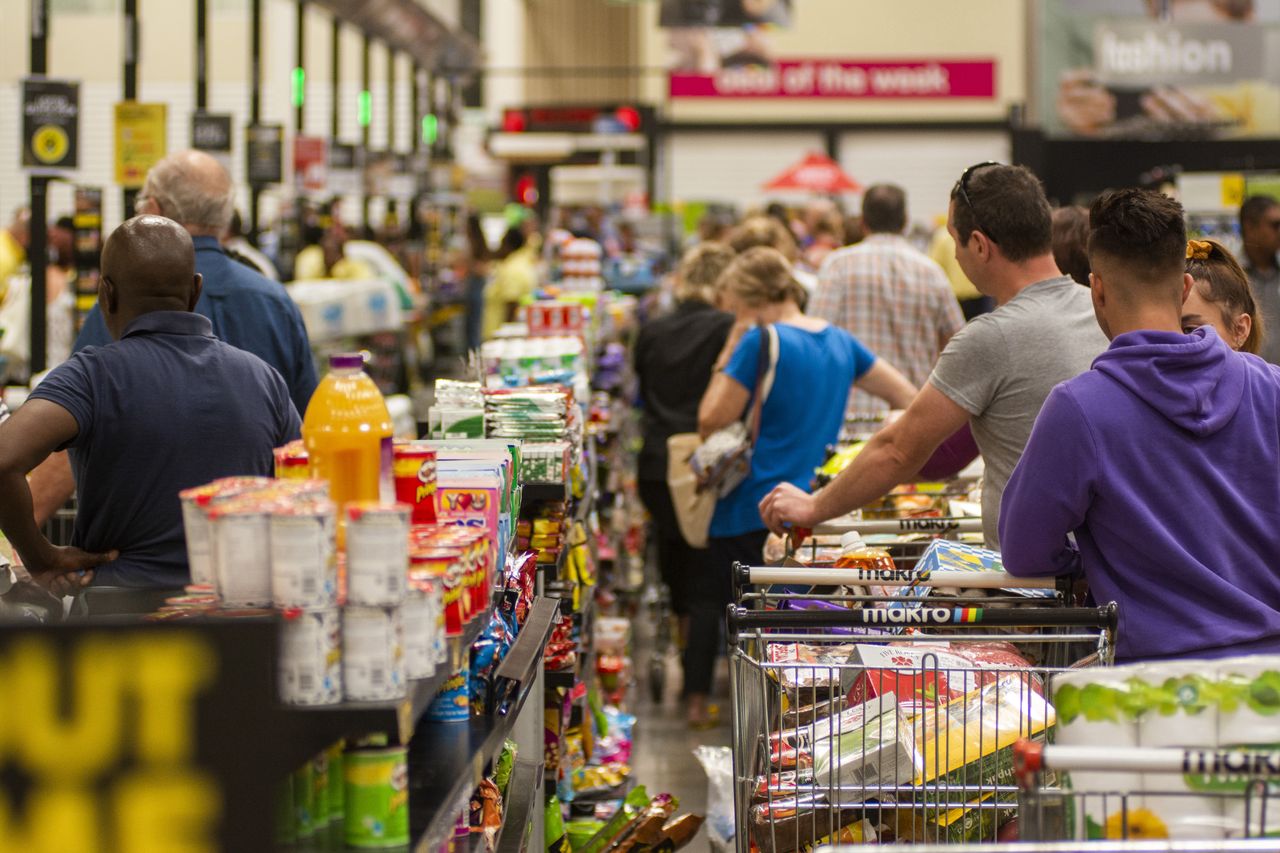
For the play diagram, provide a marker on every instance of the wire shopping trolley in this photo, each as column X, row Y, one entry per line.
column 1137, row 793
column 906, row 539
column 855, row 720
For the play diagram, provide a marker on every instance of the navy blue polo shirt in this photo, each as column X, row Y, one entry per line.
column 249, row 311
column 167, row 407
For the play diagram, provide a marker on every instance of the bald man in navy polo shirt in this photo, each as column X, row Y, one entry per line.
column 164, row 407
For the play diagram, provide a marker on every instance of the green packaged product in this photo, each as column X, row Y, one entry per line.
column 503, row 766
column 553, row 827
column 304, row 801
column 377, row 797
column 581, row 831
column 286, row 826
column 632, row 805
column 337, row 785
column 320, row 790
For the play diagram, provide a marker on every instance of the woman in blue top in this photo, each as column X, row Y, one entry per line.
column 817, row 365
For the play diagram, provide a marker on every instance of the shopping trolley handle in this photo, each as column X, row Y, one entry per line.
column 1031, row 758
column 951, row 579
column 869, row 526
column 1104, row 618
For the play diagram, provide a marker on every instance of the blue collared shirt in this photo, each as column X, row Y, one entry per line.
column 248, row 311
column 166, row 408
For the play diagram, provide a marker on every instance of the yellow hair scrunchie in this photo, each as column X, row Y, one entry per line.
column 1198, row 250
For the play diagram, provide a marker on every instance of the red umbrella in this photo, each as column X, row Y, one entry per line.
column 816, row 173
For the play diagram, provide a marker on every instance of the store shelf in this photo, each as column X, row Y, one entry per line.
column 517, row 819
column 310, row 729
column 541, row 492
column 448, row 760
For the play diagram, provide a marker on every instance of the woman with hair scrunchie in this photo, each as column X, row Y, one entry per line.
column 1221, row 297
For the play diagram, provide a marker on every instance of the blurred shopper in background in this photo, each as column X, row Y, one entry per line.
column 888, row 295
column 1089, row 495
column 817, row 363
column 515, row 277
column 942, row 251
column 996, row 371
column 1220, row 297
column 674, row 357
column 237, row 246
column 1071, row 242
column 771, row 231
column 14, row 240
column 325, row 255
column 474, row 266
column 1260, row 235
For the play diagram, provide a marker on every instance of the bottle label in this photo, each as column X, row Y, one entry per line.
column 386, row 473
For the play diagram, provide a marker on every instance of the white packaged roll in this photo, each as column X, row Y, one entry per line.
column 1171, row 809
column 1250, row 700
column 311, row 657
column 1180, row 704
column 372, row 653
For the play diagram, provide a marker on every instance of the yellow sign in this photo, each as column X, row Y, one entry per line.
column 1232, row 190
column 141, row 135
column 49, row 143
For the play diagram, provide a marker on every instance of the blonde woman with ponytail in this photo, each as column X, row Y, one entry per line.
column 817, row 364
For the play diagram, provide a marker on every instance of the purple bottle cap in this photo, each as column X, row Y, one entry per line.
column 346, row 361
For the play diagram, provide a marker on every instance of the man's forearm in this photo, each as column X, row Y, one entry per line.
column 874, row 473
column 52, row 485
column 18, row 522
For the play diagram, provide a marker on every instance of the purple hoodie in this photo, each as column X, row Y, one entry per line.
column 1164, row 459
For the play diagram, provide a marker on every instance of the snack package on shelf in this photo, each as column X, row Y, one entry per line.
column 486, row 813
column 504, row 765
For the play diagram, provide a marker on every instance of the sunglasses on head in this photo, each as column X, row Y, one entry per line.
column 962, row 187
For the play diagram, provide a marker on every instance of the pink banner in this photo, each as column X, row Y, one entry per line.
column 837, row 78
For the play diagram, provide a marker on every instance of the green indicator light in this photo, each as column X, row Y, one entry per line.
column 430, row 129
column 299, row 86
column 364, row 110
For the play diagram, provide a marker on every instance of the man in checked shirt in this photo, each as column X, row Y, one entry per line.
column 889, row 296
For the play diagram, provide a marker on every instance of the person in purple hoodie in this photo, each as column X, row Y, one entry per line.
column 1163, row 460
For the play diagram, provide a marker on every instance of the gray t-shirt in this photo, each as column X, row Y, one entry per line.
column 1001, row 367
column 1266, row 290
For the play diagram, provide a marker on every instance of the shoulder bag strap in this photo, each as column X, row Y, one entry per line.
column 769, row 353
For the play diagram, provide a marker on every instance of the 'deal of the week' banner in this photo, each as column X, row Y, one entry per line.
column 842, row 79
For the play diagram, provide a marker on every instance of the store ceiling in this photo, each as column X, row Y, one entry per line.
column 406, row 26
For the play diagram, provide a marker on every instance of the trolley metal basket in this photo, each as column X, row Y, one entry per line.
column 1136, row 793
column 906, row 539
column 851, row 723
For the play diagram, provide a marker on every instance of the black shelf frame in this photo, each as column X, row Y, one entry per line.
column 517, row 818
column 448, row 760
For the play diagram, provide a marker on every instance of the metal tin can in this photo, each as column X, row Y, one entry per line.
column 419, row 624
column 196, row 504
column 372, row 653
column 336, row 784
column 292, row 461
column 445, row 566
column 304, row 561
column 311, row 657
column 377, row 553
column 415, row 473
column 377, row 797
column 304, row 801
column 242, row 553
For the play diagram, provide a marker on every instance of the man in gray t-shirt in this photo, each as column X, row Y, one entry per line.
column 995, row 373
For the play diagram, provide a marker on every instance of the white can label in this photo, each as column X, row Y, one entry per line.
column 311, row 659
column 242, row 558
column 377, row 561
column 372, row 654
column 303, row 563
column 419, row 635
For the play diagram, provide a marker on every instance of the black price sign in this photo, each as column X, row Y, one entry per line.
column 211, row 132
column 265, row 150
column 116, row 736
column 50, row 125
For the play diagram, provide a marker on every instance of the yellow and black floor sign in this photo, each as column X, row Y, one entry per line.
column 50, row 124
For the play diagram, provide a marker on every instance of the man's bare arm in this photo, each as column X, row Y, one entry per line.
column 52, row 485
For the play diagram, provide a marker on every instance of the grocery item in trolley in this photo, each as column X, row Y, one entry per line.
column 373, row 653
column 304, row 560
column 311, row 657
column 196, row 503
column 377, row 553
column 415, row 478
column 867, row 746
column 821, row 669
column 923, row 676
column 951, row 556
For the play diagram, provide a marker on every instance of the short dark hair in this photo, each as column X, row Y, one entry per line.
column 1012, row 208
column 1071, row 242
column 1140, row 231
column 884, row 209
column 1255, row 207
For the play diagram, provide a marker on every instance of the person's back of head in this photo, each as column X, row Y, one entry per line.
column 700, row 269
column 763, row 231
column 1137, row 247
column 760, row 277
column 1071, row 242
column 884, row 209
column 148, row 264
column 512, row 241
column 1008, row 205
column 193, row 189
column 1223, row 283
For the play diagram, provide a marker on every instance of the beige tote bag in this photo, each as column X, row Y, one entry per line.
column 694, row 508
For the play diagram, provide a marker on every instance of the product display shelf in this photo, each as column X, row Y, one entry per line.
column 448, row 760
column 313, row 728
column 517, row 817
column 540, row 492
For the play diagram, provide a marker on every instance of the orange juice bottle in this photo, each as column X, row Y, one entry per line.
column 347, row 432
column 873, row 564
